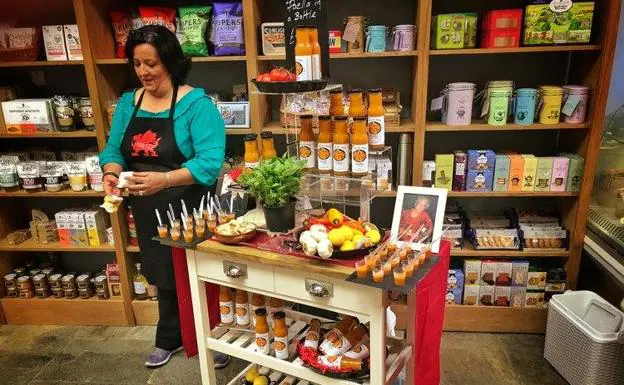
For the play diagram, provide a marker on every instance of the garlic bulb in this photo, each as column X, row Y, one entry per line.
column 324, row 248
column 309, row 246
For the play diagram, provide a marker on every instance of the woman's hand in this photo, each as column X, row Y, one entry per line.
column 147, row 183
column 110, row 185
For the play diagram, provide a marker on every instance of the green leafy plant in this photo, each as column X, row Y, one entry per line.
column 275, row 182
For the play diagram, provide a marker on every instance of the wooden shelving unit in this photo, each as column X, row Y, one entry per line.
column 470, row 252
column 420, row 73
column 67, row 193
column 51, row 135
column 31, row 245
column 63, row 311
column 511, row 194
column 145, row 312
column 42, row 63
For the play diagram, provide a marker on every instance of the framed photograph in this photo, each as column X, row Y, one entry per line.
column 419, row 216
column 234, row 114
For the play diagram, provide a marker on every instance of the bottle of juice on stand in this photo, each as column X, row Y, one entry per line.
column 307, row 143
column 132, row 232
column 252, row 156
column 325, row 146
column 226, row 305
column 316, row 54
column 275, row 305
column 336, row 105
column 257, row 302
column 262, row 332
column 313, row 335
column 359, row 147
column 341, row 146
column 356, row 104
column 376, row 124
column 280, row 334
column 303, row 54
column 347, row 341
column 242, row 308
column 268, row 146
column 140, row 284
column 337, row 333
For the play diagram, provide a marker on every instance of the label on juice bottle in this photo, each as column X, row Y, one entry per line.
column 226, row 309
column 376, row 130
column 338, row 347
column 316, row 67
column 262, row 343
column 359, row 156
column 331, row 337
column 242, row 314
column 341, row 157
column 324, row 154
column 281, row 347
column 307, row 152
column 332, row 362
column 358, row 352
column 303, row 67
column 312, row 340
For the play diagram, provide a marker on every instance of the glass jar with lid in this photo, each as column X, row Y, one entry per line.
column 86, row 112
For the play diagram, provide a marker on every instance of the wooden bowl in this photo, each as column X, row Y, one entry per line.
column 235, row 239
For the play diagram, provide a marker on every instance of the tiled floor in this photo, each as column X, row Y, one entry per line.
column 47, row 355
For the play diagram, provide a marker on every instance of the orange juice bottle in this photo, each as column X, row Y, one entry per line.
column 376, row 124
column 341, row 146
column 325, row 146
column 262, row 332
column 268, row 147
column 336, row 102
column 359, row 147
column 226, row 305
column 280, row 334
column 356, row 103
column 307, row 143
column 316, row 54
column 252, row 156
column 303, row 54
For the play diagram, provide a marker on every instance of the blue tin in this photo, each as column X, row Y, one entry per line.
column 524, row 112
column 376, row 36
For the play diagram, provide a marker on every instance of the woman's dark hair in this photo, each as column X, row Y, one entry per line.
column 166, row 45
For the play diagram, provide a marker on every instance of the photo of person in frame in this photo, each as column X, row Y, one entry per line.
column 418, row 213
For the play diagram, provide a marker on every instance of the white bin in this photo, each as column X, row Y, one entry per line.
column 585, row 339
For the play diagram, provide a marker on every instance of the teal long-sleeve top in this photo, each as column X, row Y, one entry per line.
column 199, row 134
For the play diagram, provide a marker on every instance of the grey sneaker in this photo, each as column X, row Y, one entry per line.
column 221, row 360
column 159, row 357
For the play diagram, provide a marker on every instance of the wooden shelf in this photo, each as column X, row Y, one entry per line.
column 407, row 125
column 494, row 319
column 67, row 193
column 207, row 59
column 41, row 63
column 54, row 135
column 345, row 55
column 145, row 312
column 482, row 126
column 237, row 131
column 471, row 252
column 489, row 51
column 133, row 249
column 31, row 245
column 63, row 311
column 510, row 194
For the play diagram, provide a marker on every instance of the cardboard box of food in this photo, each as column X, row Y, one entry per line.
column 27, row 116
column 518, row 296
column 72, row 42
column 444, row 171
column 543, row 173
column 501, row 173
column 96, row 227
column 502, row 296
column 472, row 271
column 486, row 295
column 528, row 173
column 54, row 42
column 471, row 295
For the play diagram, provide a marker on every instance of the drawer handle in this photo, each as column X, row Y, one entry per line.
column 235, row 270
column 319, row 290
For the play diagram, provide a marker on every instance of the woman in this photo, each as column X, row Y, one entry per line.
column 417, row 220
column 172, row 137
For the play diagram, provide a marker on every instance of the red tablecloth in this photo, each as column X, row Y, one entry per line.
column 429, row 315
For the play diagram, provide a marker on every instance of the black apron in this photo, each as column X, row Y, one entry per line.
column 149, row 145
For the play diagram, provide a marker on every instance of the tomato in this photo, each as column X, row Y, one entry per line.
column 279, row 74
column 264, row 78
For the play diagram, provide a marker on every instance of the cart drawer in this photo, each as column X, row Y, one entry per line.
column 237, row 273
column 338, row 294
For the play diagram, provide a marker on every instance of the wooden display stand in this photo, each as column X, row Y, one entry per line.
column 428, row 70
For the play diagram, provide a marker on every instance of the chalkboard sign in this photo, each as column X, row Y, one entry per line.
column 306, row 13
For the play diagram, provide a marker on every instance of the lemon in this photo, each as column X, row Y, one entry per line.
column 337, row 237
column 357, row 238
column 347, row 246
column 261, row 380
column 374, row 236
column 251, row 375
column 356, row 232
column 348, row 232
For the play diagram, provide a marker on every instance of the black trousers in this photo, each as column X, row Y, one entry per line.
column 168, row 334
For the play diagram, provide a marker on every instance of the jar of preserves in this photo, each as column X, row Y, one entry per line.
column 24, row 283
column 40, row 281
column 68, row 282
column 10, row 281
column 86, row 113
column 64, row 112
column 101, row 287
column 55, row 281
column 42, row 292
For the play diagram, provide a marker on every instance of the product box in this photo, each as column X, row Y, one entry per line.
column 501, row 173
column 516, row 171
column 504, row 271
column 114, row 280
column 528, row 173
column 429, row 167
column 488, row 273
column 575, row 172
column 454, row 296
column 96, row 227
column 72, row 42
column 502, row 19
column 27, row 116
column 502, row 296
column 479, row 180
column 273, row 41
column 54, row 42
column 534, row 299
column 78, row 229
column 335, row 41
column 472, row 271
column 471, row 295
column 536, row 280
column 559, row 24
column 559, row 178
column 556, row 280
column 486, row 295
column 444, row 171
column 455, row 279
column 519, row 275
column 480, row 160
column 62, row 226
column 448, row 31
column 501, row 38
column 543, row 173
column 383, row 167
column 518, row 295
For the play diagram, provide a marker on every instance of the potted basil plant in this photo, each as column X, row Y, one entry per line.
column 275, row 183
